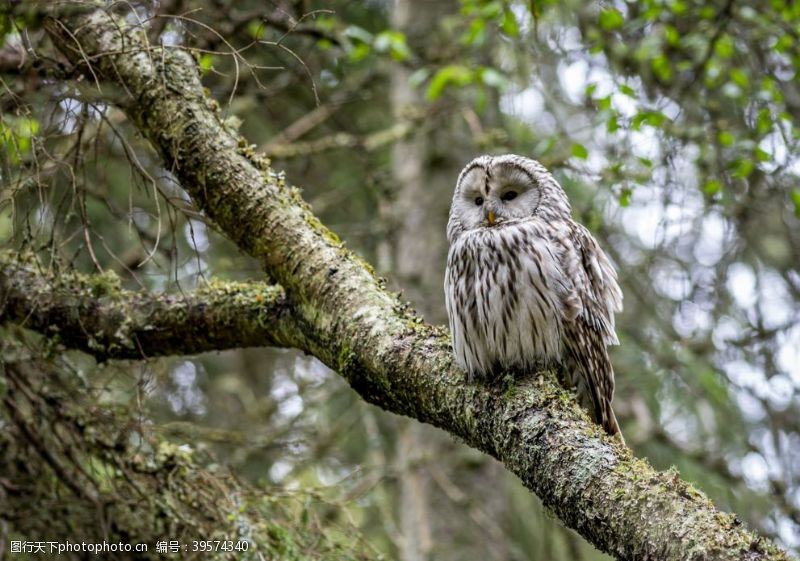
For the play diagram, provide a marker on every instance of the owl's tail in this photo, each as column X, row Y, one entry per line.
column 611, row 425
column 600, row 401
column 590, row 397
column 589, row 371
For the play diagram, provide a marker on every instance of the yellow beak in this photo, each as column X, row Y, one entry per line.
column 490, row 216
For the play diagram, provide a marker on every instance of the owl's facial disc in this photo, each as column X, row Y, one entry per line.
column 495, row 194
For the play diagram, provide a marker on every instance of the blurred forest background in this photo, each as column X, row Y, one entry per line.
column 672, row 125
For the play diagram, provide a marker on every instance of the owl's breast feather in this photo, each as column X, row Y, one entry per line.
column 504, row 291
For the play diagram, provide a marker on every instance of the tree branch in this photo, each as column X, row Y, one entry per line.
column 11, row 60
column 339, row 141
column 93, row 314
column 617, row 502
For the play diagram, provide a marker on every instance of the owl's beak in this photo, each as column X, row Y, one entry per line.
column 490, row 216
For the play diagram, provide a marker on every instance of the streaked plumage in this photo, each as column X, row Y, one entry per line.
column 525, row 284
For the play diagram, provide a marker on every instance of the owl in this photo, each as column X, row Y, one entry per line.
column 526, row 285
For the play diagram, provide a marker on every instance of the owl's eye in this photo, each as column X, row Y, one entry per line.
column 479, row 201
column 509, row 195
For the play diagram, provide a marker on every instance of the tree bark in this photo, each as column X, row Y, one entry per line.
column 95, row 315
column 594, row 485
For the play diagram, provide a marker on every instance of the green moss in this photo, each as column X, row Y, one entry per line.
column 327, row 234
column 106, row 283
column 345, row 359
column 281, row 542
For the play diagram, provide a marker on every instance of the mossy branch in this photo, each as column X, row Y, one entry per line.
column 92, row 313
column 594, row 485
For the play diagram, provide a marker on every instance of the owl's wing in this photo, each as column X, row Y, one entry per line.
column 590, row 304
column 595, row 296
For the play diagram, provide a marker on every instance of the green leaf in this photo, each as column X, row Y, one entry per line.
column 476, row 34
column 762, row 155
column 205, row 63
column 707, row 12
column 678, row 7
column 725, row 138
column 393, row 42
column 784, row 43
column 764, row 121
column 672, row 35
column 627, row 90
column 256, row 29
column 359, row 52
column 743, row 167
column 16, row 135
column 625, row 196
column 509, row 24
column 579, row 151
column 652, row 118
column 613, row 123
column 662, row 68
column 652, row 13
column 724, row 46
column 740, row 77
column 27, row 128
column 611, row 19
column 712, row 187
column 491, row 9
column 453, row 74
column 795, row 195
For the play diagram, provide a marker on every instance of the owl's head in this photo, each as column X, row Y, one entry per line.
column 495, row 190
